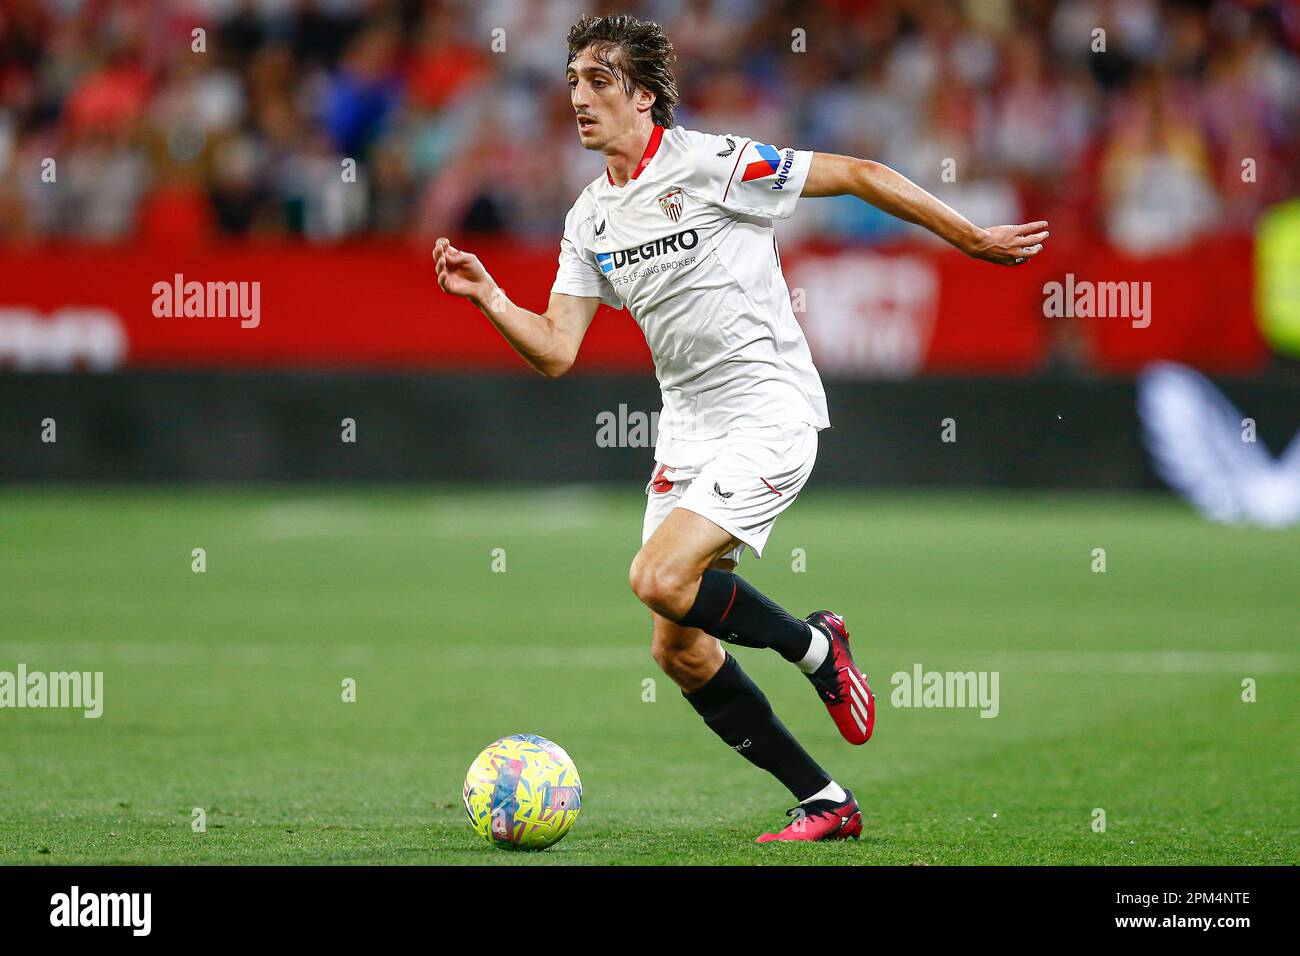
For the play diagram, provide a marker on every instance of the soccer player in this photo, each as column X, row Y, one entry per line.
column 678, row 228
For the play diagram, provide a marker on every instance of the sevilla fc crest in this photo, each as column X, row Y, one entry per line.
column 671, row 203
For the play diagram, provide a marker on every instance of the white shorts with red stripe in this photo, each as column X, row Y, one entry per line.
column 740, row 482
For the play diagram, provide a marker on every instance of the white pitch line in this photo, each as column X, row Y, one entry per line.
column 1132, row 662
column 618, row 653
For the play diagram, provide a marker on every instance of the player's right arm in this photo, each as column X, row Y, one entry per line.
column 547, row 341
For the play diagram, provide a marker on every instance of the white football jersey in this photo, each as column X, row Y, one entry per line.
column 688, row 246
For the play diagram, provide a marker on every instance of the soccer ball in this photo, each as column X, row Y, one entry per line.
column 522, row 793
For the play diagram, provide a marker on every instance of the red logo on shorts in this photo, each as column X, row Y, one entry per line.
column 660, row 484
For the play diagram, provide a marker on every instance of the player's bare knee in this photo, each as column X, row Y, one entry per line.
column 638, row 577
column 661, row 587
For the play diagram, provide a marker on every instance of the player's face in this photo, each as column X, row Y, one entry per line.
column 604, row 109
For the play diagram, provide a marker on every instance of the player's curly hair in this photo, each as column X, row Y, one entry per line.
column 637, row 52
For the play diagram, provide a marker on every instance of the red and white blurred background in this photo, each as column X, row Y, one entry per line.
column 313, row 149
column 1155, row 160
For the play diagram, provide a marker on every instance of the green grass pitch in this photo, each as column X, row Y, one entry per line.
column 1119, row 691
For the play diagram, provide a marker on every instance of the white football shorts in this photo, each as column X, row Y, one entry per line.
column 740, row 482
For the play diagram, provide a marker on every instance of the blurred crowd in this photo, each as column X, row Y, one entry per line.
column 1143, row 122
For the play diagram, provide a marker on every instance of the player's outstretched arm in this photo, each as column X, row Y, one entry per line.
column 548, row 342
column 832, row 175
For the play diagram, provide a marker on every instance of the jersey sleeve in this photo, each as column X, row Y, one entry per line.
column 746, row 176
column 578, row 273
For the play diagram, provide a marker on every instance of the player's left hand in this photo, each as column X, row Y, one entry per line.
column 1011, row 245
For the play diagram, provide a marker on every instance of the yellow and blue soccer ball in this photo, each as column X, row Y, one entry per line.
column 523, row 793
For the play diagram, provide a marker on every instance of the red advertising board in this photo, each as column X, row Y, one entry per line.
column 866, row 312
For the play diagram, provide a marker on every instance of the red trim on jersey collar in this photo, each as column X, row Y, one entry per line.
column 651, row 148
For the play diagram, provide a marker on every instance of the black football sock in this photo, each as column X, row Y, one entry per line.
column 731, row 610
column 738, row 712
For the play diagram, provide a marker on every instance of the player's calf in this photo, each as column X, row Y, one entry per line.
column 688, row 656
column 736, row 710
